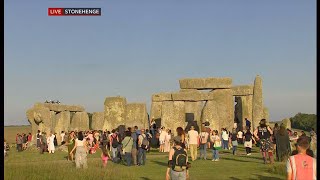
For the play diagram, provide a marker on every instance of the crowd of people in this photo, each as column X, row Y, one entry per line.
column 130, row 145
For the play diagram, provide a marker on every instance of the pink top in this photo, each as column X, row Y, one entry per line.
column 104, row 158
column 302, row 167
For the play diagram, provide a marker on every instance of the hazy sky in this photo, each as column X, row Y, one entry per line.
column 141, row 47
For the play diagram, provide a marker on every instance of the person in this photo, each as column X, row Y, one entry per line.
column 167, row 139
column 162, row 139
column 55, row 141
column 234, row 141
column 301, row 166
column 43, row 143
column 240, row 137
column 225, row 138
column 19, row 143
column 276, row 128
column 248, row 141
column 263, row 133
column 283, row 144
column 293, row 139
column 51, row 147
column 81, row 151
column 216, row 145
column 177, row 169
column 193, row 142
column 203, row 143
column 303, row 133
column 105, row 156
column 134, row 150
column 62, row 137
column 313, row 142
column 38, row 139
column 127, row 144
column 142, row 151
column 29, row 143
column 70, row 143
column 248, row 123
column 24, row 141
column 114, row 143
column 182, row 135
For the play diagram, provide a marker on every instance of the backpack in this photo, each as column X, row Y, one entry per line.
column 202, row 138
column 115, row 142
column 145, row 142
column 179, row 159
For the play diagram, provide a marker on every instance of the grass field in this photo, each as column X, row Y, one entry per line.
column 32, row 165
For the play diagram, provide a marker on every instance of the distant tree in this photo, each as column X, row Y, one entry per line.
column 304, row 121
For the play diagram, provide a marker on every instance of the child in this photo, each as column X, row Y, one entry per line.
column 105, row 155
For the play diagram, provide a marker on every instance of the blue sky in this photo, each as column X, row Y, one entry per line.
column 138, row 48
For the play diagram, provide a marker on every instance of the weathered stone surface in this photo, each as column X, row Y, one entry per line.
column 266, row 114
column 53, row 121
column 136, row 115
column 243, row 109
column 219, row 111
column 62, row 107
column 156, row 108
column 257, row 103
column 34, row 126
column 173, row 115
column 62, row 121
column 192, row 95
column 287, row 123
column 97, row 121
column 195, row 108
column 114, row 112
column 161, row 97
column 242, row 90
column 80, row 121
column 205, row 83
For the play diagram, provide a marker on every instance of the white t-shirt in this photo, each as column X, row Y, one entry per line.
column 163, row 135
column 240, row 134
column 193, row 137
column 225, row 135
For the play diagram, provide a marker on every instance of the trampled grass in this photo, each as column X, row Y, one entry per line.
column 32, row 165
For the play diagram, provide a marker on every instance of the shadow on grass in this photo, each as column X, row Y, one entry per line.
column 234, row 178
column 262, row 177
column 145, row 178
column 239, row 160
column 160, row 163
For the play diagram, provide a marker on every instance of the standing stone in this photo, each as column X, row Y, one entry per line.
column 287, row 123
column 42, row 116
column 210, row 113
column 194, row 108
column 114, row 112
column 62, row 121
column 97, row 121
column 266, row 114
column 239, row 111
column 34, row 126
column 156, row 110
column 173, row 115
column 136, row 115
column 220, row 111
column 80, row 121
column 53, row 121
column 257, row 103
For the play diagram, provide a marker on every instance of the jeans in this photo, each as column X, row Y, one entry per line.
column 215, row 154
column 114, row 152
column 142, row 156
column 225, row 144
column 203, row 150
column 128, row 158
column 234, row 149
column 134, row 155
